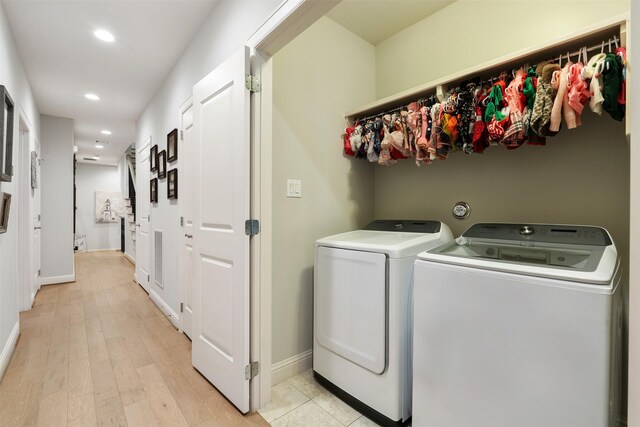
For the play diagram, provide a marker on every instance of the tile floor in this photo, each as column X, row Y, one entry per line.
column 301, row 401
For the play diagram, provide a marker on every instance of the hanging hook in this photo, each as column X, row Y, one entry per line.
column 615, row 40
column 602, row 48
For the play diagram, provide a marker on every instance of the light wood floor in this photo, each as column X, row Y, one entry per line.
column 99, row 352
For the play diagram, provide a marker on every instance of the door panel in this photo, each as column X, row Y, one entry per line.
column 143, row 212
column 187, row 181
column 221, row 248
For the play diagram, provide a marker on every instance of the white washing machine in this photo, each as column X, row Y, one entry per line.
column 362, row 303
column 518, row 325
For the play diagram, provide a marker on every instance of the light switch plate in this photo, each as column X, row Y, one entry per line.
column 294, row 188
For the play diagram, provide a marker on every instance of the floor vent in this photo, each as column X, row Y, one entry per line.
column 158, row 255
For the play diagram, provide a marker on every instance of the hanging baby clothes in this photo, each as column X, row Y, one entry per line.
column 578, row 94
column 529, row 91
column 386, row 143
column 541, row 115
column 514, row 136
column 612, row 81
column 593, row 72
column 422, row 143
column 347, row 147
column 496, row 118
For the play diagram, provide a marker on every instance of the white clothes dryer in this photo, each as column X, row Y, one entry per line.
column 362, row 303
column 518, row 325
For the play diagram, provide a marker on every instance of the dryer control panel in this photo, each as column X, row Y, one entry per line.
column 404, row 226
column 542, row 233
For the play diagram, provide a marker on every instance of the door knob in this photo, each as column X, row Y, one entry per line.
column 37, row 228
column 188, row 236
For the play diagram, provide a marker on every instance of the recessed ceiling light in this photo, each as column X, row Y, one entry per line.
column 104, row 35
column 99, row 146
column 106, row 132
column 92, row 96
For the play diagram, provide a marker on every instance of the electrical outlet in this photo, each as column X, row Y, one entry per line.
column 294, row 188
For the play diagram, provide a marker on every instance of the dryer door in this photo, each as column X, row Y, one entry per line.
column 350, row 305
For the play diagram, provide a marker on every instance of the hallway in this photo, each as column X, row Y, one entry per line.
column 99, row 352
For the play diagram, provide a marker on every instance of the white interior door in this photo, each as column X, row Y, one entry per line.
column 37, row 223
column 221, row 248
column 186, row 180
column 143, row 216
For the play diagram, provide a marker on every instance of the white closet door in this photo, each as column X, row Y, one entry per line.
column 220, row 246
column 186, row 184
column 143, row 212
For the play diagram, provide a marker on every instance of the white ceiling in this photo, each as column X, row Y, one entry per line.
column 377, row 20
column 64, row 60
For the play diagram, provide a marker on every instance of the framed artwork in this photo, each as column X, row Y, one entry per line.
column 172, row 145
column 153, row 190
column 153, row 158
column 6, row 136
column 172, row 184
column 162, row 164
column 5, row 205
column 110, row 207
column 34, row 169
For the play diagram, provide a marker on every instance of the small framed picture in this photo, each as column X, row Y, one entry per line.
column 172, row 146
column 6, row 136
column 172, row 184
column 153, row 190
column 162, row 164
column 5, row 205
column 153, row 158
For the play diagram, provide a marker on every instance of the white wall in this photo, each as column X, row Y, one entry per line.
column 57, row 199
column 14, row 78
column 89, row 179
column 314, row 83
column 223, row 33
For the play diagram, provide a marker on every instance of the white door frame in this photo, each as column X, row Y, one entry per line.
column 186, row 105
column 291, row 18
column 26, row 287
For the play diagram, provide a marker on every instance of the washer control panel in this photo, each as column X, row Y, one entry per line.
column 543, row 233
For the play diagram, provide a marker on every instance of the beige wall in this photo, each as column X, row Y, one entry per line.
column 317, row 77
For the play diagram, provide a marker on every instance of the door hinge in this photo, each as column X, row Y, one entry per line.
column 252, row 83
column 39, row 273
column 251, row 370
column 181, row 136
column 181, row 221
column 148, row 278
column 181, row 307
column 251, row 227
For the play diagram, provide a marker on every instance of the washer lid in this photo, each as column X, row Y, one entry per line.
column 575, row 253
column 397, row 243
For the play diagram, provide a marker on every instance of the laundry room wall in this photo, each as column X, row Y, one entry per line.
column 580, row 177
column 57, row 199
column 223, row 33
column 89, row 179
column 324, row 72
column 14, row 78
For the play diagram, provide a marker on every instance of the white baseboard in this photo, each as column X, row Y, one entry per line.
column 56, row 280
column 9, row 347
column 129, row 258
column 165, row 309
column 291, row 367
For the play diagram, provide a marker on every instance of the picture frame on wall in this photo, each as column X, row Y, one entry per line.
column 172, row 184
column 172, row 146
column 5, row 205
column 162, row 164
column 153, row 190
column 153, row 158
column 6, row 136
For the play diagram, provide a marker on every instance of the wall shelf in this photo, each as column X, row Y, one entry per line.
column 587, row 36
